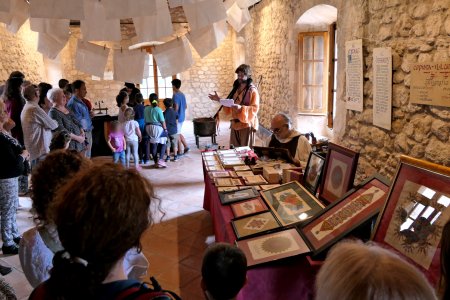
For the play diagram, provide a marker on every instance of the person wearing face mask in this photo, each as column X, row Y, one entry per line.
column 286, row 137
column 244, row 112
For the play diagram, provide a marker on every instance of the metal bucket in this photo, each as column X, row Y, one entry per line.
column 204, row 126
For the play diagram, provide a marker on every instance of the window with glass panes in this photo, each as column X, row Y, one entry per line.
column 155, row 83
column 313, row 66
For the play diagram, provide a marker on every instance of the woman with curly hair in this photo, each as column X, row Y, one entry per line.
column 39, row 244
column 98, row 222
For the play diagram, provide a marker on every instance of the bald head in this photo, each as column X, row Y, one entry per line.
column 281, row 125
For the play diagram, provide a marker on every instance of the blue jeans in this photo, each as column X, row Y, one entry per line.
column 119, row 155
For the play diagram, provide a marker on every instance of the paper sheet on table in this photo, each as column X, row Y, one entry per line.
column 227, row 102
column 49, row 45
column 175, row 3
column 19, row 13
column 57, row 28
column 151, row 28
column 91, row 58
column 95, row 26
column 120, row 9
column 173, row 57
column 207, row 39
column 204, row 13
column 5, row 6
column 129, row 65
column 238, row 17
column 57, row 9
column 246, row 3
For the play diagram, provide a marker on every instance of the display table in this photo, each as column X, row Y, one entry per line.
column 291, row 278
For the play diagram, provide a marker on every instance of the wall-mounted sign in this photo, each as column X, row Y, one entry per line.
column 430, row 83
column 382, row 87
column 354, row 75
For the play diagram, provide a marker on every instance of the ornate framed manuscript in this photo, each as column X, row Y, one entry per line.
column 254, row 224
column 343, row 216
column 339, row 172
column 291, row 203
column 248, row 207
column 313, row 172
column 272, row 246
column 416, row 210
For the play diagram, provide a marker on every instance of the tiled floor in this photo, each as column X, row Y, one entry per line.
column 174, row 246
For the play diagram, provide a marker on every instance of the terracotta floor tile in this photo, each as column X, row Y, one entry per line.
column 181, row 275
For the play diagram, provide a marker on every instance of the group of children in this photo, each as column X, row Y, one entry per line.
column 129, row 136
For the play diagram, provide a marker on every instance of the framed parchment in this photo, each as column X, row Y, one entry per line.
column 382, row 87
column 313, row 172
column 292, row 203
column 416, row 209
column 273, row 246
column 339, row 172
column 430, row 83
column 248, row 207
column 354, row 75
column 254, row 224
column 343, row 216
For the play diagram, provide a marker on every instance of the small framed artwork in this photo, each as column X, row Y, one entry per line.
column 227, row 188
column 248, row 207
column 244, row 173
column 269, row 186
column 416, row 210
column 292, row 203
column 222, row 174
column 340, row 218
column 227, row 182
column 241, row 168
column 238, row 195
column 338, row 173
column 254, row 224
column 209, row 153
column 313, row 172
column 254, row 180
column 272, row 246
column 215, row 168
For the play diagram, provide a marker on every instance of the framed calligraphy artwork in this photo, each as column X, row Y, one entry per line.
column 254, row 224
column 313, row 172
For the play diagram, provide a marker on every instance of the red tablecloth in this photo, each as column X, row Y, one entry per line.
column 291, row 278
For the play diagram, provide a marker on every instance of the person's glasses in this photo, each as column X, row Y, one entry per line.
column 277, row 130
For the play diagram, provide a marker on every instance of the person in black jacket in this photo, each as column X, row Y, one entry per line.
column 12, row 158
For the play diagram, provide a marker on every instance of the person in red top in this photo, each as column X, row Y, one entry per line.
column 244, row 112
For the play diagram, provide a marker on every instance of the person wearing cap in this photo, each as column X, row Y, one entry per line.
column 244, row 112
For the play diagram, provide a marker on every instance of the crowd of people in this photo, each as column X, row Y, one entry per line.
column 67, row 255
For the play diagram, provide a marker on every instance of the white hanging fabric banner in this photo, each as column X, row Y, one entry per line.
column 204, row 13
column 5, row 6
column 49, row 45
column 209, row 38
column 151, row 28
column 57, row 28
column 129, row 65
column 17, row 15
column 238, row 17
column 95, row 26
column 57, row 9
column 147, row 67
column 173, row 57
column 175, row 3
column 91, row 58
column 246, row 3
column 120, row 9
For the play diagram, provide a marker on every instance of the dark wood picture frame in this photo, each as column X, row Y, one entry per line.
column 415, row 211
column 239, row 212
column 241, row 232
column 313, row 174
column 338, row 173
column 366, row 208
column 229, row 197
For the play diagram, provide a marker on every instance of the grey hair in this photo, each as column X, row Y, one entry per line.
column 287, row 120
column 51, row 94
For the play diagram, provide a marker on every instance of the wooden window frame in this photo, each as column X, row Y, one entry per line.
column 332, row 92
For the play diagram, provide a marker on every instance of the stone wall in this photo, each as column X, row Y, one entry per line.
column 18, row 53
column 416, row 31
column 215, row 72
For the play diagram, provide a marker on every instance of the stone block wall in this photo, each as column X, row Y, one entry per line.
column 416, row 31
column 214, row 72
column 18, row 52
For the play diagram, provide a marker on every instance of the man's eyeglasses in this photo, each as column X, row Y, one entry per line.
column 277, row 130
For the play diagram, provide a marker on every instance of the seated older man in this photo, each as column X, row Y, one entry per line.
column 284, row 136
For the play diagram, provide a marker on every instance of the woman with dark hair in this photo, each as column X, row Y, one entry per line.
column 155, row 126
column 15, row 102
column 12, row 162
column 44, row 103
column 96, row 235
column 39, row 244
column 122, row 101
column 244, row 112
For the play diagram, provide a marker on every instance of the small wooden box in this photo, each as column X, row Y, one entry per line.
column 271, row 174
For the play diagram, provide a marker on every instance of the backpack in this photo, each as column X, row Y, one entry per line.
column 144, row 292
